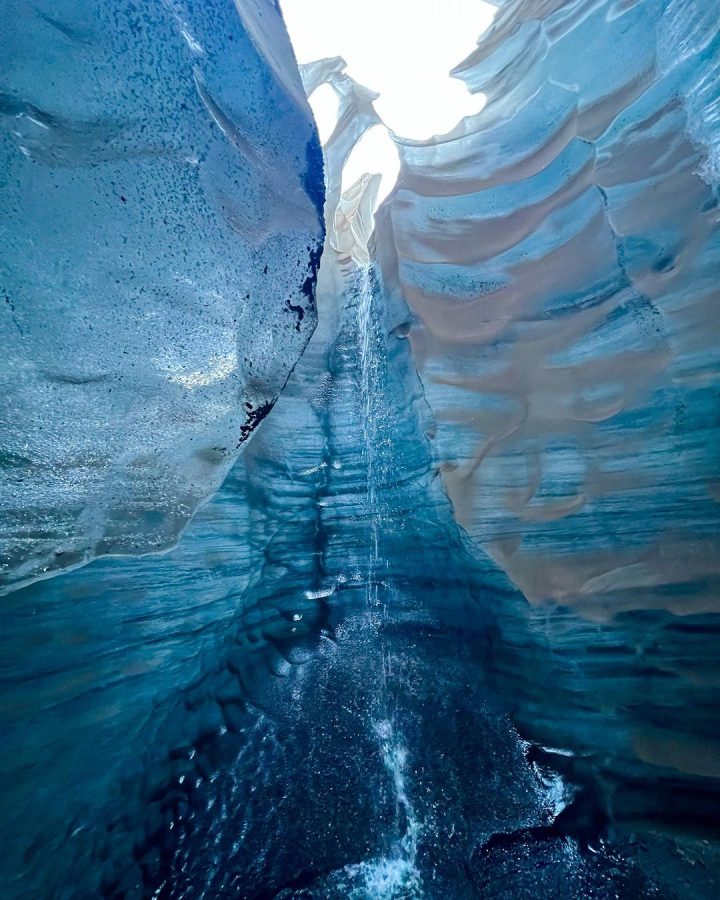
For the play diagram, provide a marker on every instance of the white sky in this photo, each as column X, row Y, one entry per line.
column 403, row 49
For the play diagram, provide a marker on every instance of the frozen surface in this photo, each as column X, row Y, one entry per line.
column 296, row 701
column 330, row 688
column 161, row 222
column 560, row 253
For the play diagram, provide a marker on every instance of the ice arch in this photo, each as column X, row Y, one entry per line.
column 417, row 98
column 407, row 82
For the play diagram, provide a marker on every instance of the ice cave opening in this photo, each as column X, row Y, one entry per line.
column 359, row 449
column 414, row 96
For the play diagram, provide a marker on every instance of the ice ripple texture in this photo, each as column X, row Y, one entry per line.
column 560, row 252
column 309, row 696
column 160, row 237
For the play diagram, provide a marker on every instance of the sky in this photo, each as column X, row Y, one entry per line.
column 402, row 49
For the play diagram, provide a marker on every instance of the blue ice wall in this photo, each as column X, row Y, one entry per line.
column 448, row 627
column 125, row 682
column 296, row 699
column 161, row 223
column 560, row 253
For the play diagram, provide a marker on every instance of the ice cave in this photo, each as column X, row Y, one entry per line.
column 359, row 524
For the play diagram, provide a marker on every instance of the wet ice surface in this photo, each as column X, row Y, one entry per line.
column 559, row 253
column 159, row 237
column 374, row 759
column 381, row 769
column 316, row 694
column 301, row 700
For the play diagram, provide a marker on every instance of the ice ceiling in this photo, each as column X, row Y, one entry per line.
column 437, row 612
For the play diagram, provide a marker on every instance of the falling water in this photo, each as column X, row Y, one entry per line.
column 397, row 874
column 370, row 341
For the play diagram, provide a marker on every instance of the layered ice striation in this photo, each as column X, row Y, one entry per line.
column 294, row 701
column 447, row 629
column 560, row 253
column 162, row 194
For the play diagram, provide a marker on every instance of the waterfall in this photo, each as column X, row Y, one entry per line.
column 371, row 350
column 397, row 872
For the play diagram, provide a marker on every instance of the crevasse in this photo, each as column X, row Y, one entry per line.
column 448, row 626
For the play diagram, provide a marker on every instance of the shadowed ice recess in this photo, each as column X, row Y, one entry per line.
column 447, row 625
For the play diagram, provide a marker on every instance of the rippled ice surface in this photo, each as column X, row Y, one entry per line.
column 328, row 689
column 381, row 769
column 373, row 758
column 299, row 701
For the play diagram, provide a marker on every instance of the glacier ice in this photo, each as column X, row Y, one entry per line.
column 448, row 627
column 160, row 239
column 560, row 252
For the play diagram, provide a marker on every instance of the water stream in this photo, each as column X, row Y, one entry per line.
column 397, row 872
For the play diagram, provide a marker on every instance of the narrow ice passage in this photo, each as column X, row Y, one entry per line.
column 353, row 550
column 377, row 760
column 381, row 761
